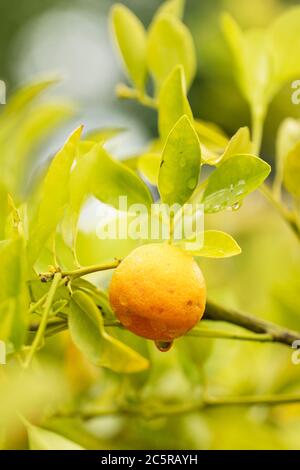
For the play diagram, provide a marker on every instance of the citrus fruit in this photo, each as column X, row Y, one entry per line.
column 158, row 292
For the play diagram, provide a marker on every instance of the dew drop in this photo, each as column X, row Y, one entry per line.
column 192, row 183
column 236, row 206
column 163, row 346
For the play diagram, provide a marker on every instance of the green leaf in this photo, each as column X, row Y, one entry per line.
column 25, row 96
column 284, row 45
column 3, row 210
column 232, row 181
column 239, row 144
column 131, row 39
column 54, row 195
column 291, row 175
column 41, row 439
column 87, row 331
column 212, row 140
column 103, row 134
column 252, row 64
column 180, row 164
column 265, row 59
column 13, row 292
column 169, row 44
column 7, row 309
column 112, row 179
column 216, row 244
column 172, row 7
column 81, row 181
column 100, row 136
column 172, row 103
column 24, row 124
column 27, row 136
column 148, row 165
column 287, row 137
column 211, row 135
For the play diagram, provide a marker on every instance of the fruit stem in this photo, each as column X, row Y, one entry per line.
column 71, row 275
column 91, row 269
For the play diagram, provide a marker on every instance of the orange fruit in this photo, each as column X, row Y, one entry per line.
column 158, row 292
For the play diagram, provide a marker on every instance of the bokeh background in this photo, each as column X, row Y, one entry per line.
column 72, row 40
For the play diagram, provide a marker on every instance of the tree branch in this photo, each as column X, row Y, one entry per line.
column 277, row 333
column 286, row 215
column 262, row 331
column 162, row 410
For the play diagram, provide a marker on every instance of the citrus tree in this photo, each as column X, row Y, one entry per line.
column 158, row 291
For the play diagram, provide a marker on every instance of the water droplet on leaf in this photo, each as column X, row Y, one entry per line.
column 236, row 206
column 192, row 183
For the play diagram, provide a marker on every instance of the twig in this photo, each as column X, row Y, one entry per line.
column 287, row 216
column 263, row 331
column 199, row 332
column 149, row 411
column 277, row 333
column 42, row 326
column 91, row 269
column 76, row 273
column 126, row 93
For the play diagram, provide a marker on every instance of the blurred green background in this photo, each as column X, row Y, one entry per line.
column 73, row 41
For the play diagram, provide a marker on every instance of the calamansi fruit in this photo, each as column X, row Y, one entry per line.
column 158, row 292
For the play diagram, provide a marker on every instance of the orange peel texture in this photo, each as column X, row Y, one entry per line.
column 158, row 292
